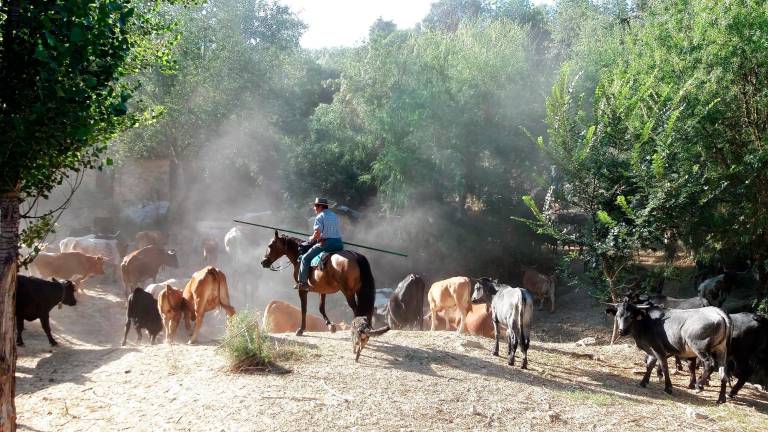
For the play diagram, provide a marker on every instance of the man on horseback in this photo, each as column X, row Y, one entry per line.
column 326, row 237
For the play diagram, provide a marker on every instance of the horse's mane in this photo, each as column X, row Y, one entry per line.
column 292, row 239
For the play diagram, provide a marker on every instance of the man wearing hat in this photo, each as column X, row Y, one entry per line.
column 326, row 237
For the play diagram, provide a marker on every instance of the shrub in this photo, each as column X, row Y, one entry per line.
column 249, row 348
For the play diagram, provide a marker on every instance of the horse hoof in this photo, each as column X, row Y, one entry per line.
column 299, row 332
column 668, row 390
column 332, row 328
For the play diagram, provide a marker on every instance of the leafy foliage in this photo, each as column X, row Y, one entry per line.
column 63, row 96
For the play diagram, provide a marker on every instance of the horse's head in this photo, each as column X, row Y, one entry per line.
column 276, row 248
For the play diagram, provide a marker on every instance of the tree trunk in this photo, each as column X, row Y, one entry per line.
column 9, row 251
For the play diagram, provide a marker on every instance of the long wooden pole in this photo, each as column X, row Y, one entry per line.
column 304, row 234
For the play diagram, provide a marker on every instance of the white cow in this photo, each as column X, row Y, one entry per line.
column 155, row 288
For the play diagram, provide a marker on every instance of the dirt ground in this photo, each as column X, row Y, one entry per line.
column 404, row 381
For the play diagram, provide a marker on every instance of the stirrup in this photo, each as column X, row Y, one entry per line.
column 302, row 286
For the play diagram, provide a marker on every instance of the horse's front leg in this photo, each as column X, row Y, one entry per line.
column 303, row 298
column 331, row 326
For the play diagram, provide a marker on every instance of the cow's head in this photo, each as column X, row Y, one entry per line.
column 276, row 248
column 483, row 291
column 98, row 267
column 67, row 292
column 171, row 259
column 626, row 314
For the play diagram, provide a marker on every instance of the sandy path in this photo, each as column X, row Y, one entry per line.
column 404, row 381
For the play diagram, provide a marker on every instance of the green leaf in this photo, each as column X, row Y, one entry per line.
column 76, row 34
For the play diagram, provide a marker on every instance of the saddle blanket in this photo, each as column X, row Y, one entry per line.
column 320, row 258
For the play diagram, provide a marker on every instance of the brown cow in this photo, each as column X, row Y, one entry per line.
column 66, row 265
column 479, row 321
column 282, row 317
column 206, row 291
column 450, row 293
column 151, row 238
column 210, row 252
column 541, row 286
column 143, row 264
column 173, row 307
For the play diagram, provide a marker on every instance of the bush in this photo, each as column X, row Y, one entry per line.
column 249, row 348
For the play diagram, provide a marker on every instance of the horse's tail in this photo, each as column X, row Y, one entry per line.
column 366, row 296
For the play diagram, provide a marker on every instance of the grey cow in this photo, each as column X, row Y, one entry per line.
column 697, row 333
column 512, row 308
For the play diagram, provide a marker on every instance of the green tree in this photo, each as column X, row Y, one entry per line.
column 63, row 96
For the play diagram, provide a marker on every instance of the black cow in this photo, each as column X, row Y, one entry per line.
column 678, row 303
column 406, row 304
column 749, row 347
column 697, row 333
column 36, row 297
column 716, row 289
column 143, row 312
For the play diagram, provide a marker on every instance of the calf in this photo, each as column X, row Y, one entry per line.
column 697, row 333
column 406, row 304
column 144, row 264
column 541, row 286
column 282, row 317
column 144, row 313
column 173, row 307
column 450, row 293
column 716, row 289
column 206, row 291
column 36, row 297
column 512, row 308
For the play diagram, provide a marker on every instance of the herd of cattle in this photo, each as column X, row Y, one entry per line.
column 694, row 329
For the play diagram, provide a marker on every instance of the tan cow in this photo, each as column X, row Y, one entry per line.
column 541, row 286
column 450, row 293
column 66, row 265
column 282, row 317
column 173, row 307
column 143, row 264
column 206, row 291
column 479, row 320
column 150, row 238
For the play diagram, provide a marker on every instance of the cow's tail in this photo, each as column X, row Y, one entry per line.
column 366, row 296
column 728, row 339
column 222, row 280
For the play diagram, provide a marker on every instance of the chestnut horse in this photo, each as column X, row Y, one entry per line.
column 346, row 271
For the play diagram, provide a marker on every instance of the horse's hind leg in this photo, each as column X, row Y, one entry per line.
column 331, row 326
column 351, row 302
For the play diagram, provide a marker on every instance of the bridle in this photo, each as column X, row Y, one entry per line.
column 285, row 253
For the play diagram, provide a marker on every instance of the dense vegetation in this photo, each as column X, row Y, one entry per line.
column 652, row 113
column 491, row 127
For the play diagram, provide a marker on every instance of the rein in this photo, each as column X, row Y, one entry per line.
column 282, row 267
